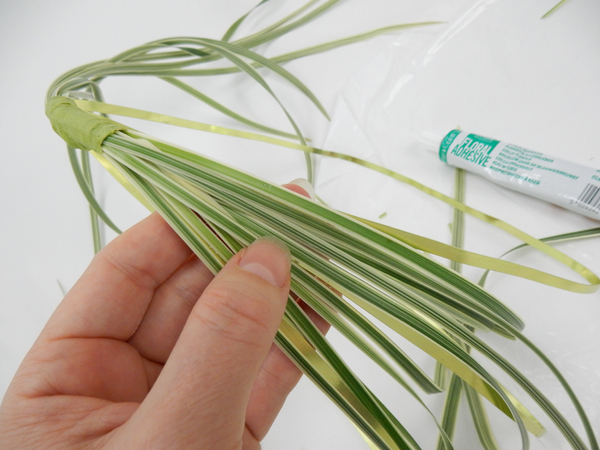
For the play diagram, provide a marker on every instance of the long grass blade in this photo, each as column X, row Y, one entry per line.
column 88, row 191
column 554, row 8
column 262, row 38
column 84, row 157
column 291, row 55
column 313, row 366
column 457, row 386
column 233, row 28
column 450, row 410
column 565, row 237
column 219, row 107
column 347, row 41
column 228, row 51
column 277, row 24
column 399, row 434
column 480, row 419
column 442, row 374
column 330, row 306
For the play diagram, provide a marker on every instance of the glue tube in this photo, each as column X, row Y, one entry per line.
column 564, row 183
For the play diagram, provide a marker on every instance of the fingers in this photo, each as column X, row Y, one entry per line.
column 175, row 298
column 302, row 187
column 111, row 297
column 207, row 379
column 170, row 307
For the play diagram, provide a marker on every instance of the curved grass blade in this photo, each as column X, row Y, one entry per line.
column 233, row 28
column 55, row 87
column 141, row 53
column 567, row 387
column 144, row 52
column 313, row 366
column 280, row 31
column 328, row 305
column 347, row 41
column 297, row 53
column 565, row 237
column 225, row 51
column 147, row 56
column 398, row 433
column 277, row 24
column 227, row 36
column 478, row 260
column 88, row 191
column 219, row 107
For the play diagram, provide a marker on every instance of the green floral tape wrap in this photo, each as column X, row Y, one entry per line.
column 78, row 128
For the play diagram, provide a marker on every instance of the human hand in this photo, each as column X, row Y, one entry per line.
column 148, row 350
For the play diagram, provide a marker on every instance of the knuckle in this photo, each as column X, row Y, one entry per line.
column 193, row 282
column 139, row 276
column 187, row 293
column 234, row 312
column 279, row 382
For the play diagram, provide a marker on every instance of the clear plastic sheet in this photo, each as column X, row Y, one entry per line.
column 501, row 71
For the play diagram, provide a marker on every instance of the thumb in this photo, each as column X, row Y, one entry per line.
column 199, row 400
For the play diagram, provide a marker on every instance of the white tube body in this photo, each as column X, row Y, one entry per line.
column 564, row 183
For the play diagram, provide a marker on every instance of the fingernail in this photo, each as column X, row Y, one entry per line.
column 305, row 184
column 268, row 258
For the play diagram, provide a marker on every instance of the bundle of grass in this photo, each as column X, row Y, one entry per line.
column 344, row 268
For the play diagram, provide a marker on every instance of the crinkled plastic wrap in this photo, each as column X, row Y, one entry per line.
column 500, row 70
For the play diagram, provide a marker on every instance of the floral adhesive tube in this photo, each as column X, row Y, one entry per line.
column 564, row 183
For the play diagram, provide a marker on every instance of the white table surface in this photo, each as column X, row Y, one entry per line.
column 45, row 239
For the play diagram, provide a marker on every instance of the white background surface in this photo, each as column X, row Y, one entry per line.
column 535, row 85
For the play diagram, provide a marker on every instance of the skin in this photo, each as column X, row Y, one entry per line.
column 149, row 350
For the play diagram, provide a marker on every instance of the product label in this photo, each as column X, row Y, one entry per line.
column 446, row 142
column 552, row 179
column 474, row 149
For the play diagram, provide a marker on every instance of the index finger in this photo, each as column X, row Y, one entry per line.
column 112, row 296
